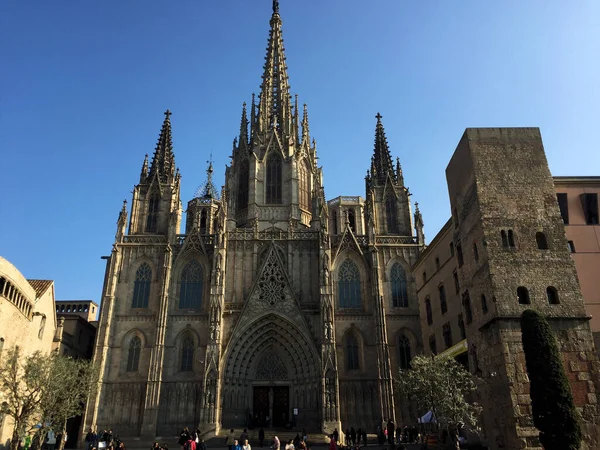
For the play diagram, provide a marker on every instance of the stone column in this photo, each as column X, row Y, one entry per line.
column 103, row 336
column 210, row 415
column 329, row 383
column 386, row 390
column 152, row 399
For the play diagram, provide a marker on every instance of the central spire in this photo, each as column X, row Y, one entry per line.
column 381, row 163
column 274, row 109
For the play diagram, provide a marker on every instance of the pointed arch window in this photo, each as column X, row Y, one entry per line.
column 190, row 292
column 399, row 287
column 334, row 220
column 133, row 354
column 243, row 182
column 390, row 214
column 152, row 218
column 349, row 285
column 187, row 354
column 304, row 185
column 352, row 362
column 273, row 184
column 404, row 354
column 141, row 287
column 203, row 220
column 352, row 220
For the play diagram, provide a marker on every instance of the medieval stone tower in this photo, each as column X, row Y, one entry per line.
column 275, row 306
column 512, row 255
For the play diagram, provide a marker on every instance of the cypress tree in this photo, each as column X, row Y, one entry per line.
column 553, row 410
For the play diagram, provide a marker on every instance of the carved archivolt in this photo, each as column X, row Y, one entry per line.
column 246, row 352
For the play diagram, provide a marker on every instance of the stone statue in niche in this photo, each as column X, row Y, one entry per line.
column 326, row 269
column 328, row 331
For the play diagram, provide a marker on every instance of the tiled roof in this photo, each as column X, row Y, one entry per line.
column 40, row 286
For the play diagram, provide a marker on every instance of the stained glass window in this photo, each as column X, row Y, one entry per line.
column 349, row 285
column 141, row 287
column 399, row 286
column 133, row 355
column 190, row 293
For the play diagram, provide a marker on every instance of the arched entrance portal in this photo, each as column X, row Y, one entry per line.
column 270, row 370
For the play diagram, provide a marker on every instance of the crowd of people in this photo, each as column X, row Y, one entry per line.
column 103, row 441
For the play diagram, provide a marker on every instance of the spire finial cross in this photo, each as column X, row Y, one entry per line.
column 168, row 114
column 275, row 6
column 378, row 117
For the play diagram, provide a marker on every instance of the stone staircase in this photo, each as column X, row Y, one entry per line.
column 284, row 435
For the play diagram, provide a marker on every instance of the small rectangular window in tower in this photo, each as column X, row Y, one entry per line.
column 424, row 277
column 443, row 302
column 475, row 251
column 590, row 208
column 459, row 255
column 461, row 327
column 451, row 248
column 432, row 344
column 571, row 246
column 447, row 333
column 456, row 282
column 437, row 263
column 563, row 205
column 467, row 307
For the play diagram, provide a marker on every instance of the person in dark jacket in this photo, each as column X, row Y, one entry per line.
column 261, row 437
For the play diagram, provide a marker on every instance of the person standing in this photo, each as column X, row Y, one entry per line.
column 230, row 439
column 336, row 435
column 244, row 436
column 276, row 443
column 391, row 428
column 51, row 440
column 261, row 437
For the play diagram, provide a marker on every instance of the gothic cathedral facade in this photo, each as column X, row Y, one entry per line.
column 275, row 306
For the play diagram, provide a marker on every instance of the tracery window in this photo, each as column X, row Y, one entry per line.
column 390, row 214
column 304, row 185
column 404, row 355
column 187, row 354
column 399, row 287
column 349, row 285
column 352, row 352
column 133, row 355
column 141, row 287
column 152, row 218
column 190, row 292
column 273, row 184
column 243, row 182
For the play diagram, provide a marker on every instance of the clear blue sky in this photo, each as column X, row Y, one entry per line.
column 84, row 85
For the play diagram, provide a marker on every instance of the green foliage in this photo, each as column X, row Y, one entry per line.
column 45, row 389
column 440, row 385
column 554, row 413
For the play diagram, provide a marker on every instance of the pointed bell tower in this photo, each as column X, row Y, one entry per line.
column 273, row 179
column 388, row 209
column 156, row 206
